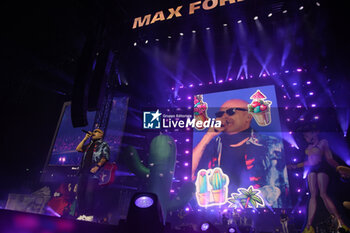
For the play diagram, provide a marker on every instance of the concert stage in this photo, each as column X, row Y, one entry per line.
column 176, row 116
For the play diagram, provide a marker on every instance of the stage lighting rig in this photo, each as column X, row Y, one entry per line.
column 207, row 227
column 145, row 214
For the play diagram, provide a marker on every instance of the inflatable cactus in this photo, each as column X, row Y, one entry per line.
column 159, row 172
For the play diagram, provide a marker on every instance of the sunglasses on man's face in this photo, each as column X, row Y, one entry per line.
column 230, row 112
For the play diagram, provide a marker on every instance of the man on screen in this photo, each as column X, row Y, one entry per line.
column 96, row 154
column 246, row 158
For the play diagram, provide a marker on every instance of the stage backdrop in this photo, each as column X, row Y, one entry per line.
column 240, row 166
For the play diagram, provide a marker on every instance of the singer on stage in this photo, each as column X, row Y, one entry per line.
column 96, row 154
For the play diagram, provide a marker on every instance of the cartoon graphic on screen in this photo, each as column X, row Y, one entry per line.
column 246, row 156
column 200, row 110
column 211, row 187
column 246, row 198
column 259, row 108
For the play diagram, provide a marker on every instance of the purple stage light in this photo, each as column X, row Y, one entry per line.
column 264, row 75
column 181, row 86
column 299, row 190
column 311, row 93
column 189, row 97
column 282, row 85
column 299, row 70
column 172, row 190
column 308, row 82
column 316, row 117
column 205, row 226
column 299, row 211
column 144, row 202
column 286, row 71
column 220, row 81
column 231, row 230
column 64, row 159
column 250, row 76
column 185, row 177
column 191, row 85
column 294, row 160
column 187, row 209
column 294, row 84
column 307, row 193
column 172, row 88
column 297, row 95
column 187, row 151
column 288, row 119
column 187, row 139
column 225, row 210
column 298, row 106
column 239, row 210
column 242, row 77
column 290, row 132
column 297, row 174
column 230, row 79
column 186, row 164
column 210, row 83
column 284, row 97
column 313, row 105
column 201, row 84
column 286, row 107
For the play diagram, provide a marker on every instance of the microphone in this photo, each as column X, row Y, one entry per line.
column 86, row 131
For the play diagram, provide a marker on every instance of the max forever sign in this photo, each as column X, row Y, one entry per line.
column 179, row 10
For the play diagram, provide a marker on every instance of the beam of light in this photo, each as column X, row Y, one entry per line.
column 243, row 49
column 52, row 212
column 209, row 49
column 343, row 118
column 286, row 51
column 290, row 139
column 264, row 38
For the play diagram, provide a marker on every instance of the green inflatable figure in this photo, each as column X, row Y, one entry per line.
column 159, row 172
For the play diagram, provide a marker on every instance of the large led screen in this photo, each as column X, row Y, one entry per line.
column 240, row 164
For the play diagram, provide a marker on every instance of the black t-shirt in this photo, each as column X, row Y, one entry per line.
column 88, row 158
